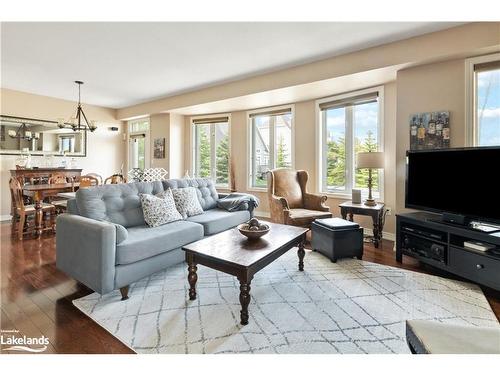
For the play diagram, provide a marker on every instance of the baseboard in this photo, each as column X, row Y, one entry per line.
column 5, row 218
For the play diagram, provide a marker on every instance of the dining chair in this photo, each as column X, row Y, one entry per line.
column 22, row 211
column 87, row 181
column 115, row 179
column 98, row 176
column 58, row 202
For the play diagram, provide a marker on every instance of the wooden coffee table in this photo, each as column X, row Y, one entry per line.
column 232, row 253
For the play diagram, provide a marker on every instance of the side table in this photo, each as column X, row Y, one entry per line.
column 375, row 212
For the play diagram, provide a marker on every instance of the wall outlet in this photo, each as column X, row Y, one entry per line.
column 389, row 211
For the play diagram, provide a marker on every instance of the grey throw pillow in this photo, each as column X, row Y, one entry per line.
column 159, row 210
column 186, row 201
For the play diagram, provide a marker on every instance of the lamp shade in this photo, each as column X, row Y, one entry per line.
column 374, row 160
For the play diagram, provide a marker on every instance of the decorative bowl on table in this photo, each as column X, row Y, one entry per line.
column 253, row 229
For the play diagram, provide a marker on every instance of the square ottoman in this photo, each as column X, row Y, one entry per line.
column 337, row 238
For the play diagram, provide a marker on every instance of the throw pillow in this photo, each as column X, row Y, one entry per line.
column 186, row 201
column 159, row 210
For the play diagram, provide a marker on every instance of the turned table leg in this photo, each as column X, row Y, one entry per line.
column 301, row 253
column 244, row 300
column 192, row 278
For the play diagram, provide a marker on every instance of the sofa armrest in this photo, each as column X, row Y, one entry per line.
column 280, row 210
column 222, row 195
column 315, row 202
column 86, row 250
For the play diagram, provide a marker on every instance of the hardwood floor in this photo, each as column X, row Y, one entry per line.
column 36, row 297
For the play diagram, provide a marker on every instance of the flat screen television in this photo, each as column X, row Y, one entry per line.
column 463, row 181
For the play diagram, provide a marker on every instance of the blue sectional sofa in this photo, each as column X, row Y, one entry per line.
column 103, row 241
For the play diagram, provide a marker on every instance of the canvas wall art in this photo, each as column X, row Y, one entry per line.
column 159, row 148
column 430, row 130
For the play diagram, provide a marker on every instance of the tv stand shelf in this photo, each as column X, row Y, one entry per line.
column 418, row 232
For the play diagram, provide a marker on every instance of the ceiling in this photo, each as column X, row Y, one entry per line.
column 124, row 63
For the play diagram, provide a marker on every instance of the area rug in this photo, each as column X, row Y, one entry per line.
column 350, row 306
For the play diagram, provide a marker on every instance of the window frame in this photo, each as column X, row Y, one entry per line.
column 272, row 143
column 471, row 124
column 213, row 152
column 350, row 156
column 147, row 139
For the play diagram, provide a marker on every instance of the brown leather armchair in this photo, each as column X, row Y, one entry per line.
column 289, row 201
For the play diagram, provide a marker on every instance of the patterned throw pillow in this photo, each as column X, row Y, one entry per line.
column 186, row 201
column 159, row 210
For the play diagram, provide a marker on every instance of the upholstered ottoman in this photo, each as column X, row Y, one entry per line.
column 337, row 238
column 429, row 337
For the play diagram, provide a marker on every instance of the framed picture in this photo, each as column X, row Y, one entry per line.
column 159, row 148
column 430, row 130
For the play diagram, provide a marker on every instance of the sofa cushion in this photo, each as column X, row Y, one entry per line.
column 144, row 242
column 205, row 190
column 119, row 203
column 159, row 210
column 218, row 220
column 186, row 201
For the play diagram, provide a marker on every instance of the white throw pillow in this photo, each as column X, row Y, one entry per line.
column 159, row 210
column 186, row 201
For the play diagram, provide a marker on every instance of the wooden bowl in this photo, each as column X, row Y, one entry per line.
column 252, row 234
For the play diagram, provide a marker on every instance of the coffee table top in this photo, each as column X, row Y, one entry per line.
column 231, row 246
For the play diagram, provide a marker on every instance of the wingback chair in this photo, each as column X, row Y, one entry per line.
column 289, row 201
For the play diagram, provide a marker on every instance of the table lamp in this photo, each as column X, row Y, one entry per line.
column 370, row 160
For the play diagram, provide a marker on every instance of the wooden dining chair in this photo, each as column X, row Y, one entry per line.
column 98, row 176
column 58, row 178
column 58, row 202
column 22, row 211
column 88, row 181
column 115, row 179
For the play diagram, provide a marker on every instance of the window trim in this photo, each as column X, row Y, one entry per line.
column 147, row 144
column 321, row 146
column 213, row 156
column 470, row 96
column 250, row 158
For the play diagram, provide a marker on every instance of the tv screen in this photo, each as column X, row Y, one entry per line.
column 462, row 181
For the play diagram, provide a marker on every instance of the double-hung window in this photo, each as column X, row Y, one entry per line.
column 349, row 124
column 211, row 151
column 483, row 127
column 271, row 144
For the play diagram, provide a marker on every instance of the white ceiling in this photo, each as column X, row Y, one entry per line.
column 128, row 63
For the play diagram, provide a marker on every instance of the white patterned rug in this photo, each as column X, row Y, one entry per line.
column 349, row 307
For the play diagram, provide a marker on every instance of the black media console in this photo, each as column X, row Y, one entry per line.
column 426, row 237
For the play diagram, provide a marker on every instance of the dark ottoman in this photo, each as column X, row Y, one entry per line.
column 337, row 238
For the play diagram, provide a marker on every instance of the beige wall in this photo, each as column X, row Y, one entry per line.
column 159, row 128
column 176, row 146
column 427, row 88
column 305, row 152
column 105, row 148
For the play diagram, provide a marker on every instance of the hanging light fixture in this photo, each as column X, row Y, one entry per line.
column 24, row 133
column 80, row 121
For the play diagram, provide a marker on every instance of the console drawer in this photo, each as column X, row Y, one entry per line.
column 479, row 268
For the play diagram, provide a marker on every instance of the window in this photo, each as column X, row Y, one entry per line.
column 484, row 101
column 271, row 143
column 349, row 124
column 138, row 147
column 211, row 151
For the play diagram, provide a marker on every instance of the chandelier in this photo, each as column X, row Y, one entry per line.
column 80, row 121
column 23, row 133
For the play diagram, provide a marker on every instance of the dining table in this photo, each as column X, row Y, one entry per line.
column 38, row 192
